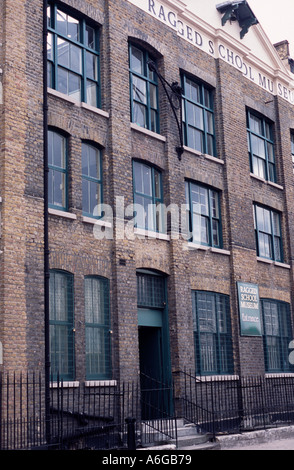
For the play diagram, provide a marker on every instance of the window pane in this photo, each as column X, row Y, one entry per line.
column 255, row 124
column 265, row 245
column 207, row 98
column 94, row 162
column 195, row 139
column 292, row 143
column 209, row 122
column 137, row 60
column 208, row 353
column 258, row 146
column 192, row 91
column 74, row 86
column 91, row 196
column 278, row 253
column 139, row 90
column 276, row 224
column 272, row 174
column 90, row 161
column 268, row 132
column 69, row 56
column 69, row 84
column 215, row 233
column 195, row 116
column 157, row 184
column 58, row 158
column 153, row 96
column 146, row 180
column 150, row 290
column 67, row 25
column 90, row 37
column 140, row 211
column 91, row 93
column 50, row 46
column 49, row 16
column 57, row 196
column 200, row 229
column 214, row 202
column 199, row 197
column 91, row 65
column 270, row 152
column 86, row 196
column 139, row 115
column 210, row 145
column 153, row 118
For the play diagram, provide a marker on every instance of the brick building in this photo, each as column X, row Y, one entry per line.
column 204, row 278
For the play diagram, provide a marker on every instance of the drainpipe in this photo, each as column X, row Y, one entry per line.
column 46, row 238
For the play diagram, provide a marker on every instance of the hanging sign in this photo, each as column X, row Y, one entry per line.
column 249, row 309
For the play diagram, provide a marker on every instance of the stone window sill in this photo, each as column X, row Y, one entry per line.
column 65, row 384
column 275, row 263
column 70, row 100
column 137, row 128
column 66, row 215
column 205, row 155
column 149, row 234
column 102, row 223
column 195, row 246
column 100, row 383
column 270, row 183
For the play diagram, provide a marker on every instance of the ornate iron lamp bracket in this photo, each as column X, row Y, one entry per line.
column 174, row 92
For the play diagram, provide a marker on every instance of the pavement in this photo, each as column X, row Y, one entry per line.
column 284, row 444
column 271, row 439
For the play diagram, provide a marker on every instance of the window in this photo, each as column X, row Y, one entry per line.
column 261, row 147
column 198, row 116
column 150, row 291
column 148, row 196
column 57, row 162
column 268, row 233
column 204, row 215
column 144, row 90
column 61, row 314
column 277, row 335
column 292, row 148
column 91, row 178
column 73, row 56
column 97, row 319
column 212, row 333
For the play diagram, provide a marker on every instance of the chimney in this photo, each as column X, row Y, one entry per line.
column 283, row 50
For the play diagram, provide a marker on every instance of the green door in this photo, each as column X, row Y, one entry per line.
column 156, row 391
column 154, row 349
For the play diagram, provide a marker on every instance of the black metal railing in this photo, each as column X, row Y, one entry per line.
column 157, row 411
column 236, row 404
column 129, row 415
column 107, row 415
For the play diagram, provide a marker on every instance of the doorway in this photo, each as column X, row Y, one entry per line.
column 154, row 348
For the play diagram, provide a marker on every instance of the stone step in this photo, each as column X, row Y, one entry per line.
column 188, row 437
column 187, row 430
column 190, row 440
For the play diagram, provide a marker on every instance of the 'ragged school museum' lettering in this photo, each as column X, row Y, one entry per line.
column 214, row 47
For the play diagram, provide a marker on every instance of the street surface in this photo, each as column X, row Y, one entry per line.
column 279, row 444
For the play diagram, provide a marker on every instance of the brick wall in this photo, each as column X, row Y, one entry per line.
column 73, row 246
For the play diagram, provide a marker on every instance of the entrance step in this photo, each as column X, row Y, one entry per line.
column 188, row 438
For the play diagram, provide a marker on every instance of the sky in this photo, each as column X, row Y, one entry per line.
column 276, row 18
